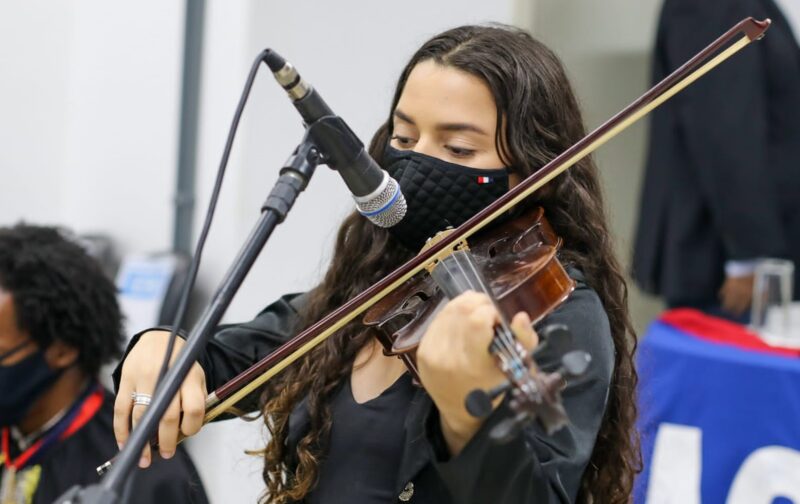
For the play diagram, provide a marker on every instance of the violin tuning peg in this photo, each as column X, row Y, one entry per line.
column 496, row 391
column 539, row 350
column 556, row 336
column 478, row 403
column 557, row 331
column 575, row 363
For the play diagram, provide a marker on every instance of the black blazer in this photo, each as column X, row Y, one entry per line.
column 723, row 168
column 534, row 467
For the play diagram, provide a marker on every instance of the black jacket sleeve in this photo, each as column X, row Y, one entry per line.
column 536, row 467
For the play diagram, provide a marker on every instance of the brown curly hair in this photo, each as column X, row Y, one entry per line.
column 538, row 111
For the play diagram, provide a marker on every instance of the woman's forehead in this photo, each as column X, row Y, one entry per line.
column 436, row 94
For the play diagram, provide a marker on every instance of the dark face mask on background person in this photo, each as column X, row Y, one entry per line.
column 22, row 383
column 439, row 194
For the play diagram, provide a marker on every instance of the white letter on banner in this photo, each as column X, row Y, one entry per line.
column 675, row 466
column 768, row 473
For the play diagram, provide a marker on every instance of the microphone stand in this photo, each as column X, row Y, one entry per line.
column 294, row 177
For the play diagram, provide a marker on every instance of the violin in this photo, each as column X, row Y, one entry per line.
column 516, row 265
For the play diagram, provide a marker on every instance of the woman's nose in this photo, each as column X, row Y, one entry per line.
column 425, row 146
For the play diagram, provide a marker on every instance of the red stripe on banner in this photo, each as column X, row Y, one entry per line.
column 722, row 331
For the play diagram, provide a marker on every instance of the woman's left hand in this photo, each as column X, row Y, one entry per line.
column 453, row 359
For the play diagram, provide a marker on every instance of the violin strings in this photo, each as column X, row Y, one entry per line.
column 464, row 275
column 505, row 349
column 503, row 336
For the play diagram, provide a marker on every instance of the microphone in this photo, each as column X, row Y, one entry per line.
column 377, row 195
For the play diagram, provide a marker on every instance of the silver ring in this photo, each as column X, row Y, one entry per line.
column 141, row 399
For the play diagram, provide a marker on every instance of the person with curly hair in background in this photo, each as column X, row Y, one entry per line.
column 59, row 323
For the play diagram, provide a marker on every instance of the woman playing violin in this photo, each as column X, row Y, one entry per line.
column 476, row 110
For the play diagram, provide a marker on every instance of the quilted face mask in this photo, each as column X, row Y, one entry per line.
column 439, row 194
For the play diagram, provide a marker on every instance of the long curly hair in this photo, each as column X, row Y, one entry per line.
column 539, row 114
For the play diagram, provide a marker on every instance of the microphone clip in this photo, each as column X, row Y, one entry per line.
column 341, row 150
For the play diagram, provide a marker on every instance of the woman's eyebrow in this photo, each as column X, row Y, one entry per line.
column 404, row 117
column 441, row 126
column 460, row 127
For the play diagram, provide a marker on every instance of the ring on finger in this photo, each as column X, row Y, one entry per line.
column 141, row 399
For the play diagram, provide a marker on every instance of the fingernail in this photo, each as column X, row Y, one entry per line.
column 167, row 455
column 120, row 445
column 144, row 462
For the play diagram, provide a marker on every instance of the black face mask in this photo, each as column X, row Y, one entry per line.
column 439, row 194
column 22, row 383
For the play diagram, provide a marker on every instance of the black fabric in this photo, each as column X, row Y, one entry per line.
column 73, row 462
column 723, row 177
column 438, row 194
column 373, row 430
column 534, row 467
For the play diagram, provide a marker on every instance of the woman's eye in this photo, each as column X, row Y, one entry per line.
column 403, row 141
column 460, row 151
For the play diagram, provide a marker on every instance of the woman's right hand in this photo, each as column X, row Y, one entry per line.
column 139, row 374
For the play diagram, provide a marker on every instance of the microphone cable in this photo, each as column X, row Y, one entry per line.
column 189, row 282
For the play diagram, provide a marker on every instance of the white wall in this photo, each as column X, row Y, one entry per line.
column 33, row 107
column 89, row 102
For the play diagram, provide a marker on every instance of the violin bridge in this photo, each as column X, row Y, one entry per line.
column 437, row 238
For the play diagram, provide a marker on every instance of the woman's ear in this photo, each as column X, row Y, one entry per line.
column 60, row 355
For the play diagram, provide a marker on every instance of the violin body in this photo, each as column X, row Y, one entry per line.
column 519, row 261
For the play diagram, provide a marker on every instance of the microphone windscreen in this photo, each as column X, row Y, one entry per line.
column 386, row 206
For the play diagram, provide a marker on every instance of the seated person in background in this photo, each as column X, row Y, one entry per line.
column 59, row 323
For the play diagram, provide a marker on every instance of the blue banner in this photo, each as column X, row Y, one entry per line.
column 718, row 424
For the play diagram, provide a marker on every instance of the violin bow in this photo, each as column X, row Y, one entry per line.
column 223, row 399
